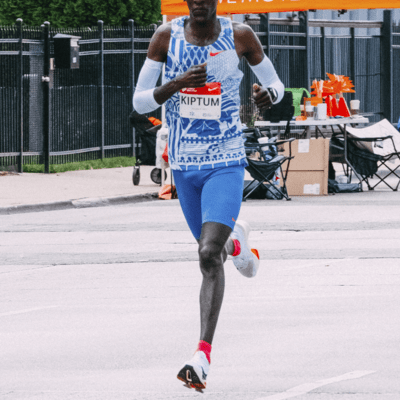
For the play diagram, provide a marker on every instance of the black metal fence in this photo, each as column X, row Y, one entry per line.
column 53, row 115
column 394, row 70
column 21, row 68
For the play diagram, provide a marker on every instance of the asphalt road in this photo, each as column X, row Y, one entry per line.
column 102, row 303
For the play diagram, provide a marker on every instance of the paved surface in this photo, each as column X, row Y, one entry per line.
column 102, row 302
column 74, row 189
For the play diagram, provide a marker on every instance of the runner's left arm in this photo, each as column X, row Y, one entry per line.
column 249, row 46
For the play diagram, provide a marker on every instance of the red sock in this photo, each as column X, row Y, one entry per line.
column 236, row 247
column 206, row 348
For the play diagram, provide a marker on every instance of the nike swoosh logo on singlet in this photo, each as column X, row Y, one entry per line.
column 215, row 54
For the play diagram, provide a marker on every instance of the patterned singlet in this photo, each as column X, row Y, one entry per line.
column 197, row 143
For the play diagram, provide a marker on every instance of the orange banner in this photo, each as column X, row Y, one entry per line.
column 179, row 7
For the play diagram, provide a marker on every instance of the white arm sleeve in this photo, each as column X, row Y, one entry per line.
column 268, row 77
column 143, row 99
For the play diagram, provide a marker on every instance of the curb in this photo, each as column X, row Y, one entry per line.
column 79, row 203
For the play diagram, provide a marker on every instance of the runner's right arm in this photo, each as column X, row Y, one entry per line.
column 147, row 96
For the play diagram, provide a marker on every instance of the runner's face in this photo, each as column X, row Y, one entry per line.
column 202, row 10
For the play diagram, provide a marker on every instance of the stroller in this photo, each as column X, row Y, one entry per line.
column 145, row 146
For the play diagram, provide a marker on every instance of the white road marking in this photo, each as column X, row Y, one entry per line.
column 28, row 310
column 308, row 387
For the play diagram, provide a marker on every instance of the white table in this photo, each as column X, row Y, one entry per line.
column 317, row 123
column 341, row 123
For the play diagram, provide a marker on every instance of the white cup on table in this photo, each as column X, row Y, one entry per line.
column 354, row 107
column 322, row 110
column 310, row 111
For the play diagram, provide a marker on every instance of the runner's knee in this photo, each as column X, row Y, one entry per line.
column 210, row 258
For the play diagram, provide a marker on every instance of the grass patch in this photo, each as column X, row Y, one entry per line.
column 115, row 162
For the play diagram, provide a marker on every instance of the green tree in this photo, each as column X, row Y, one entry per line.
column 77, row 13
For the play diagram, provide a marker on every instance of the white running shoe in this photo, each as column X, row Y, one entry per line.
column 194, row 372
column 248, row 261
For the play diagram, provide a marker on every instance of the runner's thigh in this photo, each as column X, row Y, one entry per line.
column 222, row 195
column 189, row 195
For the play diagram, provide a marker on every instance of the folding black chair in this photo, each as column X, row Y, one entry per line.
column 368, row 152
column 268, row 161
column 384, row 162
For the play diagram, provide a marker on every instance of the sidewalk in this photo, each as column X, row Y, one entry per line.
column 30, row 192
column 75, row 189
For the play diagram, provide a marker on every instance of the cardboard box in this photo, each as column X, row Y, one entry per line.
column 307, row 183
column 308, row 170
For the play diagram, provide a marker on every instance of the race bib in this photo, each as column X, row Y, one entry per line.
column 201, row 103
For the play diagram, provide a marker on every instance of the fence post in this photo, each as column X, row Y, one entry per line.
column 303, row 19
column 323, row 47
column 46, row 96
column 265, row 27
column 387, row 69
column 100, row 91
column 353, row 59
column 132, row 76
column 20, row 91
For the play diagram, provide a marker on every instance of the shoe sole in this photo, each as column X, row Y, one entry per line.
column 188, row 375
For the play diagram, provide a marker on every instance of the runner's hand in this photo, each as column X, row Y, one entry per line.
column 262, row 97
column 195, row 76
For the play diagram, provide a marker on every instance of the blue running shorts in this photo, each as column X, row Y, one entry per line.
column 210, row 195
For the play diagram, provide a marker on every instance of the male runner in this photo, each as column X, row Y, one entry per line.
column 206, row 152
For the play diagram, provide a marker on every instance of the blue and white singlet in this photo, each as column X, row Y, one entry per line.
column 196, row 143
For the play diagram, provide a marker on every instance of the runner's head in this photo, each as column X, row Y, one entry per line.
column 202, row 11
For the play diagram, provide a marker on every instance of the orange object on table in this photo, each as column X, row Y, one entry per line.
column 343, row 109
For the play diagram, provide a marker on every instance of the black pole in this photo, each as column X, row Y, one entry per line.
column 387, row 68
column 303, row 20
column 46, row 97
column 323, row 48
column 353, row 58
column 132, row 76
column 265, row 27
column 101, row 85
column 20, row 95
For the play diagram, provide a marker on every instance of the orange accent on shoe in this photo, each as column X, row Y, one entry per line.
column 255, row 252
column 197, row 386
